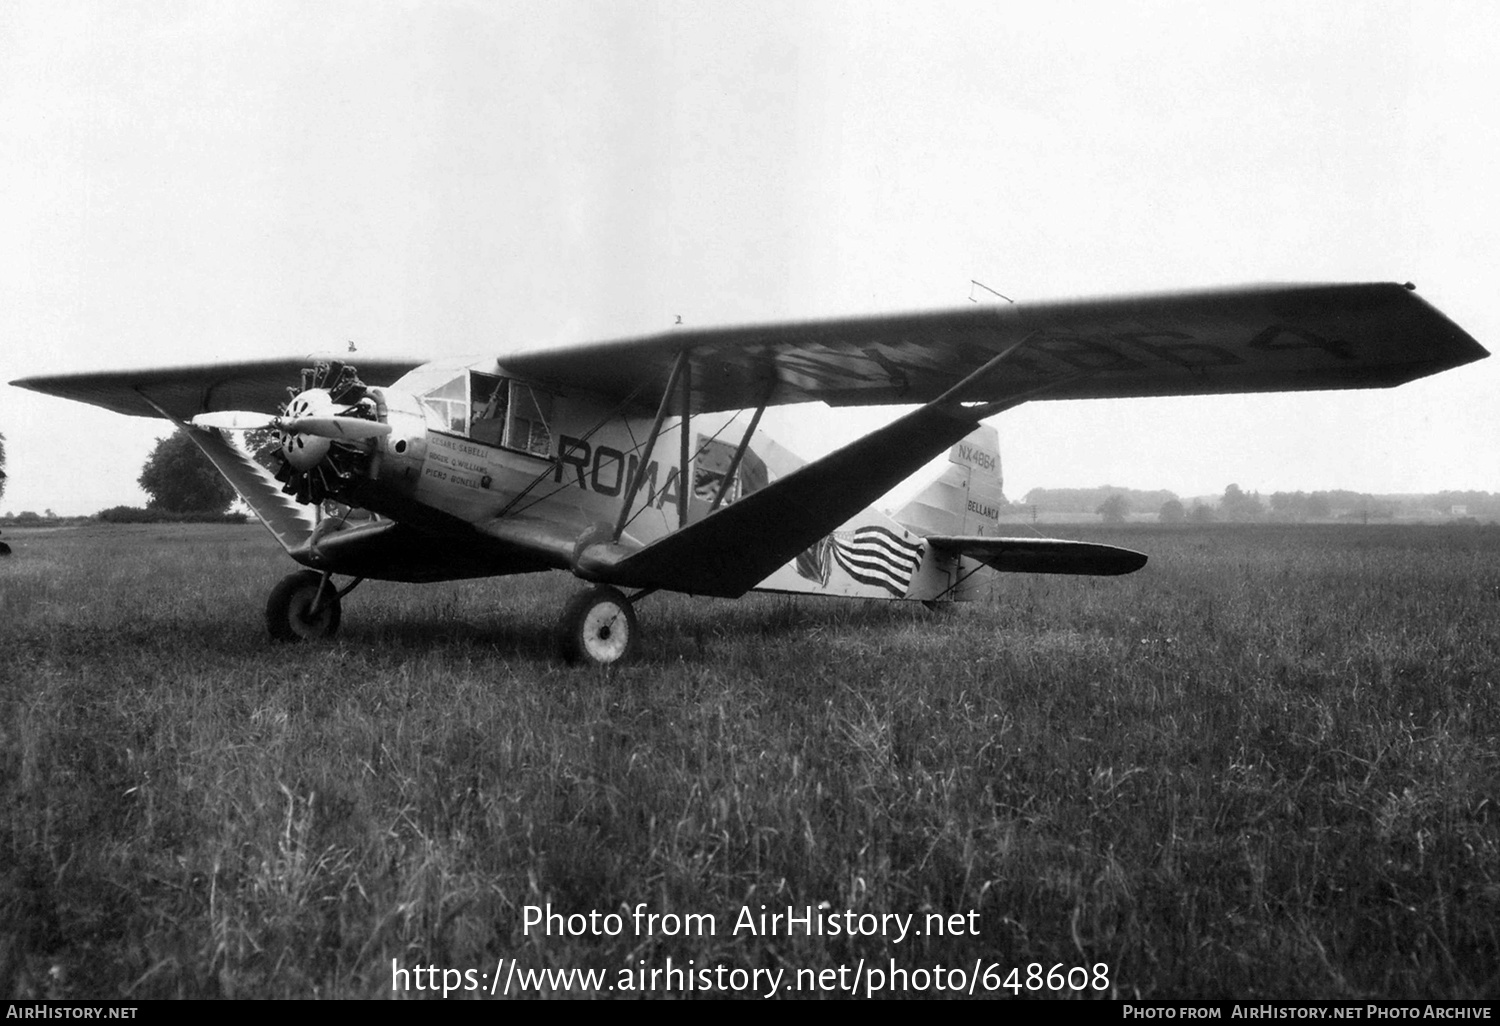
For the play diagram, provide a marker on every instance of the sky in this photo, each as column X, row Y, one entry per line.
column 188, row 182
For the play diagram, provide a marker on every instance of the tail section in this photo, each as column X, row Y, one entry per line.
column 943, row 545
column 965, row 501
column 873, row 555
column 868, row 556
column 967, row 498
column 958, row 518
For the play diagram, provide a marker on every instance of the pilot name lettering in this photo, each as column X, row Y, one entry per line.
column 456, row 462
column 466, row 449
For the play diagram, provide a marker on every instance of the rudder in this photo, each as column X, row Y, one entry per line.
column 965, row 500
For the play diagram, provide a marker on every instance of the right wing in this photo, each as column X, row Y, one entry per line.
column 1261, row 339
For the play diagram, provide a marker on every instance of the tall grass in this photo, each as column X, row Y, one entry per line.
column 1265, row 766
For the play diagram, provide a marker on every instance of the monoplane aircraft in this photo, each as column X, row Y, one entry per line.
column 637, row 464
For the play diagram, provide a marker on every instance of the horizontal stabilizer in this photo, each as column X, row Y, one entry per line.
column 1042, row 555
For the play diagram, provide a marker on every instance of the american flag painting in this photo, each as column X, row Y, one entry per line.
column 878, row 556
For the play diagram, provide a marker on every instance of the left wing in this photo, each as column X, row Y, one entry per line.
column 1259, row 339
column 185, row 391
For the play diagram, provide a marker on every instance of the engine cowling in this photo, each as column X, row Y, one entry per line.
column 324, row 460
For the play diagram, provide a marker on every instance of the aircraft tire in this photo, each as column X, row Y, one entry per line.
column 286, row 609
column 597, row 626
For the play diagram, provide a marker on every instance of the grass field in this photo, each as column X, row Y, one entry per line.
column 1268, row 765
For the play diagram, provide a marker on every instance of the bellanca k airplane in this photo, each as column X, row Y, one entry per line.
column 638, row 465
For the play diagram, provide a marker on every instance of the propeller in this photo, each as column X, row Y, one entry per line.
column 323, row 427
column 335, row 427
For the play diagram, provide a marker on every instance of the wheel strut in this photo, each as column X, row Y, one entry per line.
column 338, row 593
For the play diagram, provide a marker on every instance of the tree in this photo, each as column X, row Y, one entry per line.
column 2, row 466
column 180, row 479
column 1240, row 505
column 1114, row 508
column 1289, row 505
column 1201, row 514
column 265, row 446
column 1172, row 512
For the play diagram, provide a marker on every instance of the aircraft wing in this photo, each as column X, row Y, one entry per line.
column 188, row 390
column 1042, row 555
column 1256, row 339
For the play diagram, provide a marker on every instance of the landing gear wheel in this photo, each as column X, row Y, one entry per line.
column 598, row 626
column 289, row 610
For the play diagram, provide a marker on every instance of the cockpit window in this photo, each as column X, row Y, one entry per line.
column 449, row 405
column 494, row 410
column 488, row 395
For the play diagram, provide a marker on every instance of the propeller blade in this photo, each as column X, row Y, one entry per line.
column 234, row 420
column 333, row 427
column 355, row 428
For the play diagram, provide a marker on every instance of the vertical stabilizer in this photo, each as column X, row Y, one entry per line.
column 965, row 501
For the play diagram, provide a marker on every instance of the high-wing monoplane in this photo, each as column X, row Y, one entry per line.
column 638, row 464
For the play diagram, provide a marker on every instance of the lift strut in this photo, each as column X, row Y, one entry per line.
column 679, row 372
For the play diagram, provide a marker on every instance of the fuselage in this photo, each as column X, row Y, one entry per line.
column 539, row 473
column 472, row 442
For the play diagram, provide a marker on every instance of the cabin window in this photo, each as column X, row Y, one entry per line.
column 488, row 402
column 493, row 411
column 449, row 405
column 530, row 426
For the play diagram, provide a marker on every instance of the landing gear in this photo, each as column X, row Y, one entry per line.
column 305, row 605
column 597, row 626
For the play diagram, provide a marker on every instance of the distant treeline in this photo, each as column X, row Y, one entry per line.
column 120, row 515
column 139, row 515
column 1088, row 500
column 1238, row 505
